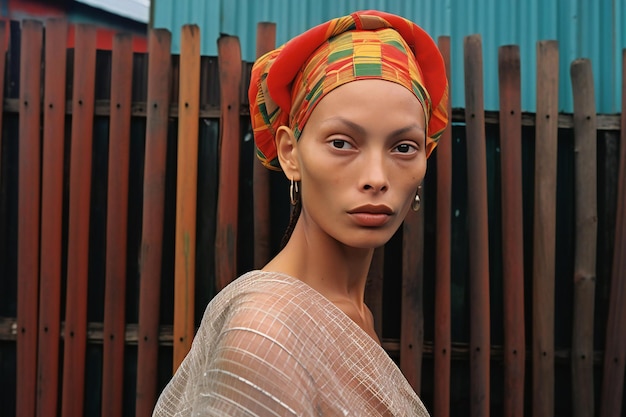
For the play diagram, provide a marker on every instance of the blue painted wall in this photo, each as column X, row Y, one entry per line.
column 594, row 29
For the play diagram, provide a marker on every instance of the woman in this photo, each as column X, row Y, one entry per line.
column 350, row 111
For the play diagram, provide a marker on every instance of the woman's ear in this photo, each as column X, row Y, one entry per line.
column 287, row 149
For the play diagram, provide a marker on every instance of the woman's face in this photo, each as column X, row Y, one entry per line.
column 361, row 158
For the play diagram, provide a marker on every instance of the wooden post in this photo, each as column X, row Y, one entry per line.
column 412, row 317
column 230, row 70
column 585, row 140
column 157, row 116
column 186, row 192
column 117, row 218
column 443, row 324
column 544, row 227
column 478, row 228
column 265, row 42
column 51, row 224
column 512, row 229
column 75, row 336
column 28, row 217
column 615, row 351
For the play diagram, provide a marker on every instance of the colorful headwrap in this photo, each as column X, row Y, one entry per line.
column 288, row 82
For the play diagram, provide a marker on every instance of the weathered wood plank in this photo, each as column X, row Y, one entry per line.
column 79, row 212
column 230, row 70
column 159, row 80
column 443, row 307
column 265, row 42
column 585, row 200
column 478, row 228
column 544, row 228
column 117, row 218
column 512, row 229
column 29, row 216
column 186, row 192
column 615, row 350
column 51, row 224
column 3, row 49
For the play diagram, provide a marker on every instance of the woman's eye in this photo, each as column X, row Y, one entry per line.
column 405, row 148
column 341, row 144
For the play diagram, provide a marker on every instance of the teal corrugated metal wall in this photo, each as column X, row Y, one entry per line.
column 594, row 29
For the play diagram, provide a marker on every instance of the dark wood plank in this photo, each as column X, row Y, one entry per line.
column 585, row 200
column 51, row 224
column 615, row 350
column 186, row 192
column 3, row 48
column 117, row 218
column 75, row 337
column 230, row 70
column 265, row 42
column 28, row 217
column 157, row 113
column 544, row 228
column 512, row 229
column 478, row 227
column 443, row 307
column 412, row 318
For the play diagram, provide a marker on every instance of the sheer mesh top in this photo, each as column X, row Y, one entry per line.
column 270, row 345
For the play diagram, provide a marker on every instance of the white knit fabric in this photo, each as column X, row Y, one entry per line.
column 270, row 345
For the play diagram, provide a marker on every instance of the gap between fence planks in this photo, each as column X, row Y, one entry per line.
column 230, row 71
column 478, row 228
column 117, row 222
column 186, row 192
column 586, row 212
column 443, row 327
column 51, row 224
column 157, row 112
column 75, row 341
column 512, row 229
column 615, row 350
column 544, row 228
column 265, row 42
column 28, row 219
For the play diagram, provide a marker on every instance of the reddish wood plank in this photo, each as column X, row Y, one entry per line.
column 412, row 319
column 374, row 289
column 443, row 324
column 615, row 350
column 51, row 224
column 544, row 228
column 585, row 142
column 230, row 70
column 512, row 229
column 157, row 114
column 117, row 217
column 186, row 192
column 478, row 227
column 28, row 218
column 3, row 42
column 265, row 41
column 75, row 333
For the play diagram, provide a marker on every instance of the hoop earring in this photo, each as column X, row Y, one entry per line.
column 417, row 202
column 293, row 192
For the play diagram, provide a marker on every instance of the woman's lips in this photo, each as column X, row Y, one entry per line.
column 370, row 219
column 371, row 215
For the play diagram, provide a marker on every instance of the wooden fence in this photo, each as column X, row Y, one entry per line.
column 127, row 201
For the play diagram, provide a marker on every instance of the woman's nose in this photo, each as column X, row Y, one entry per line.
column 374, row 176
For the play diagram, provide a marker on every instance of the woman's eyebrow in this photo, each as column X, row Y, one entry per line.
column 361, row 130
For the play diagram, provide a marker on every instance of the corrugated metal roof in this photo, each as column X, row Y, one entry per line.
column 590, row 29
column 138, row 10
